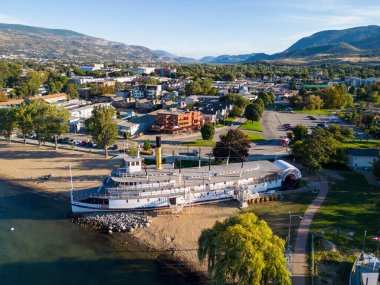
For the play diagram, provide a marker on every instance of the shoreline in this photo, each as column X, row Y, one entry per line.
column 163, row 258
column 24, row 166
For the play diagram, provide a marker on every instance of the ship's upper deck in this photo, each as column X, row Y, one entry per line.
column 150, row 176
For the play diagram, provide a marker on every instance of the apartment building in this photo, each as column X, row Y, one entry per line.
column 176, row 121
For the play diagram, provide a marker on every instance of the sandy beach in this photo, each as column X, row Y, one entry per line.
column 181, row 231
column 25, row 164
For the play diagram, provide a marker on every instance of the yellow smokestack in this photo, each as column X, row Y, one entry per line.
column 158, row 153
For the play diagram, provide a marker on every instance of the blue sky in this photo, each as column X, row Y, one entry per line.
column 195, row 27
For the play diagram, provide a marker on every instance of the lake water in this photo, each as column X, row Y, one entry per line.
column 46, row 248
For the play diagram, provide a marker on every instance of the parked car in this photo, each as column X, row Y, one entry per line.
column 312, row 118
column 83, row 143
column 66, row 140
column 286, row 125
column 322, row 125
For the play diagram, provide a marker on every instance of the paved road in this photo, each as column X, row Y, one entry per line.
column 300, row 264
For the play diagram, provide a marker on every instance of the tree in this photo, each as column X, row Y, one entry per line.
column 236, row 112
column 236, row 99
column 319, row 147
column 58, row 122
column 243, row 250
column 102, row 127
column 314, row 102
column 207, row 131
column 147, row 145
column 253, row 112
column 228, row 77
column 3, row 97
column 266, row 97
column 300, row 132
column 7, row 122
column 193, row 88
column 40, row 111
column 233, row 145
column 24, row 119
column 72, row 90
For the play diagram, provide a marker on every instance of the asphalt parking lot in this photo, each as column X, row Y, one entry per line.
column 273, row 122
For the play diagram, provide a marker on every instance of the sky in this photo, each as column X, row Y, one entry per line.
column 195, row 28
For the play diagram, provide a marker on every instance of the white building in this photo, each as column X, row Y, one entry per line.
column 361, row 158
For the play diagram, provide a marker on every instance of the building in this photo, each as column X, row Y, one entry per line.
column 138, row 125
column 141, row 70
column 173, row 122
column 147, row 105
column 79, row 80
column 11, row 103
column 361, row 158
column 146, row 91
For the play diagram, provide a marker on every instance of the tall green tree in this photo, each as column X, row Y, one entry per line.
column 300, row 132
column 102, row 127
column 72, row 90
column 58, row 122
column 207, row 131
column 234, row 145
column 253, row 112
column 318, row 148
column 7, row 122
column 40, row 113
column 243, row 250
column 24, row 119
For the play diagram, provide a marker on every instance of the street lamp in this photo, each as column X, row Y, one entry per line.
column 290, row 223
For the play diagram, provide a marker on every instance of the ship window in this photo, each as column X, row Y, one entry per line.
column 207, row 193
column 147, row 200
column 126, row 201
column 138, row 201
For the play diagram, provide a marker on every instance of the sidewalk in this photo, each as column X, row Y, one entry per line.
column 300, row 263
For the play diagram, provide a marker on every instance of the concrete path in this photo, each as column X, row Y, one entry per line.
column 300, row 263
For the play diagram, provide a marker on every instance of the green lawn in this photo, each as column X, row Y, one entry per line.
column 252, row 126
column 254, row 137
column 199, row 143
column 362, row 144
column 276, row 213
column 314, row 112
column 353, row 206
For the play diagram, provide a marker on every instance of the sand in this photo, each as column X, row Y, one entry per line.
column 26, row 164
column 181, row 231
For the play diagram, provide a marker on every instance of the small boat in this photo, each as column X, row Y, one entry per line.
column 366, row 270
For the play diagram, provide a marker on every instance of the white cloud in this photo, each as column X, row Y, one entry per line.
column 9, row 19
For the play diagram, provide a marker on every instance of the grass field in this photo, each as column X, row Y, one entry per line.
column 254, row 137
column 363, row 144
column 252, row 126
column 314, row 112
column 276, row 213
column 352, row 205
column 199, row 142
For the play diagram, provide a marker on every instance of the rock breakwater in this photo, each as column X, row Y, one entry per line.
column 115, row 222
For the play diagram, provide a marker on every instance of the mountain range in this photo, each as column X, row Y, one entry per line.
column 20, row 41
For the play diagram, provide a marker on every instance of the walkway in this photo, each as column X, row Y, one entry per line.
column 300, row 262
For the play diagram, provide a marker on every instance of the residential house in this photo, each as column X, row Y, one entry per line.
column 147, row 105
